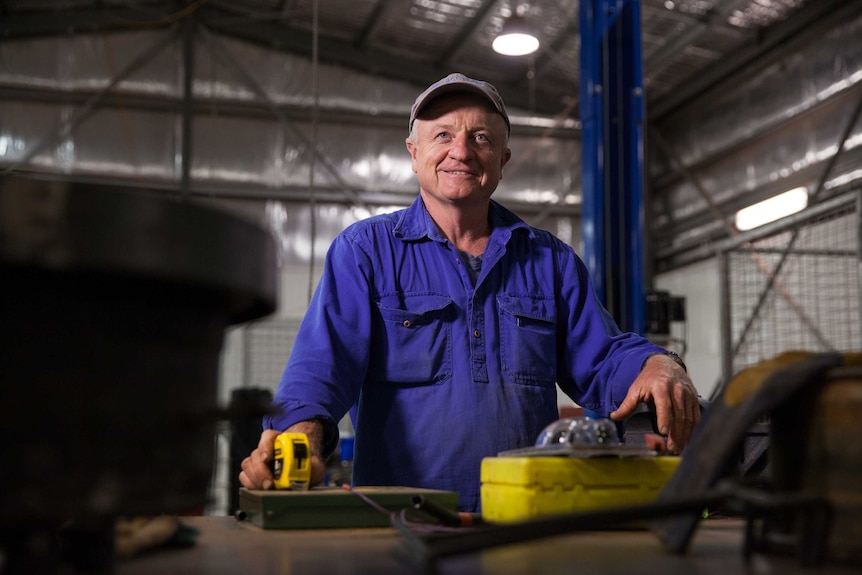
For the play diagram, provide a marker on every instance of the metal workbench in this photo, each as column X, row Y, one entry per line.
column 228, row 546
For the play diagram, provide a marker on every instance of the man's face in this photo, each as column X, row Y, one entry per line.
column 460, row 150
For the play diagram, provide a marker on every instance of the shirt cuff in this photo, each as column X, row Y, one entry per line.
column 280, row 422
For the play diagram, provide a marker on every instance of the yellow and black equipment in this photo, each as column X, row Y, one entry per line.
column 292, row 461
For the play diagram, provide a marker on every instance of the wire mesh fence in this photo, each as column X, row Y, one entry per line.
column 253, row 360
column 794, row 287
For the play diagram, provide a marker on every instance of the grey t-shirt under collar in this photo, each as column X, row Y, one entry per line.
column 474, row 264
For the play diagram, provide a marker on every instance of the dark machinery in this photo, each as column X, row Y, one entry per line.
column 113, row 317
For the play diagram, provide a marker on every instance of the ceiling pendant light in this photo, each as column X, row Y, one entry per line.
column 516, row 38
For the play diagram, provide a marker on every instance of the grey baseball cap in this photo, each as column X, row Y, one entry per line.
column 459, row 83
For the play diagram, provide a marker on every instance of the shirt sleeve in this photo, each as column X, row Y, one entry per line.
column 329, row 360
column 596, row 362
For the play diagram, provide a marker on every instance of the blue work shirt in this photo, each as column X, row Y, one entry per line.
column 438, row 373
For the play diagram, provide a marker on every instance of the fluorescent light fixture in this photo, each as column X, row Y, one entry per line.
column 515, row 38
column 774, row 208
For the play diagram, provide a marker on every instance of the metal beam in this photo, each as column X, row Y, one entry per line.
column 268, row 30
column 550, row 55
column 397, row 197
column 454, row 48
column 658, row 7
column 188, row 101
column 375, row 20
column 375, row 62
column 94, row 101
column 760, row 134
column 773, row 283
column 805, row 176
column 46, row 23
column 317, row 155
column 672, row 50
column 710, row 245
column 252, row 110
column 810, row 23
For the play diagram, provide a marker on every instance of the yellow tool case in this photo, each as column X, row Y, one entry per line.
column 523, row 488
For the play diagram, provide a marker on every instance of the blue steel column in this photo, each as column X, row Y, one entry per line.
column 612, row 113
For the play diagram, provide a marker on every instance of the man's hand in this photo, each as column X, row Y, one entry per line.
column 256, row 472
column 666, row 383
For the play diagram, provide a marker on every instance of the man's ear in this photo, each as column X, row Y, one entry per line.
column 411, row 147
column 507, row 155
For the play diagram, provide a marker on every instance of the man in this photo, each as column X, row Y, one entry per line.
column 444, row 327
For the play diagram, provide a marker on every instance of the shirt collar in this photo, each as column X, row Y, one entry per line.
column 415, row 223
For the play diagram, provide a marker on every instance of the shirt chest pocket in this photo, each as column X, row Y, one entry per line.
column 413, row 343
column 528, row 350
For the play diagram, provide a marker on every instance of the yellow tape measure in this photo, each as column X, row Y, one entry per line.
column 292, row 461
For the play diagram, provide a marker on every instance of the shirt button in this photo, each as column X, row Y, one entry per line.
column 407, row 323
column 477, row 333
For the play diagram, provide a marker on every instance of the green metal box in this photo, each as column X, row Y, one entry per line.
column 333, row 507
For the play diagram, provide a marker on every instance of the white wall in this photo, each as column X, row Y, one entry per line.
column 699, row 284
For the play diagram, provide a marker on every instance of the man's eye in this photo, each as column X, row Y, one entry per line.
column 443, row 135
column 481, row 138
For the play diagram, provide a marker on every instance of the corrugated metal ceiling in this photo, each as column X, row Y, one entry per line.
column 421, row 40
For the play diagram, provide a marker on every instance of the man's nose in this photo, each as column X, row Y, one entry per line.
column 460, row 148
